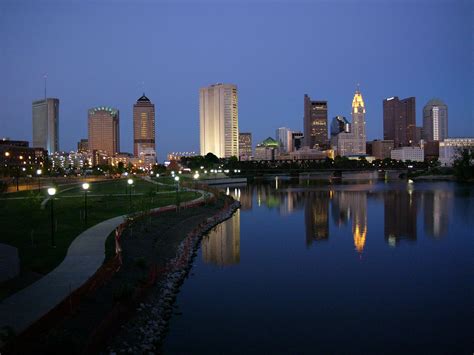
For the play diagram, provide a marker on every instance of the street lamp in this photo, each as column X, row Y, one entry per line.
column 196, row 177
column 85, row 187
column 157, row 185
column 38, row 173
column 52, row 192
column 130, row 183
column 176, row 178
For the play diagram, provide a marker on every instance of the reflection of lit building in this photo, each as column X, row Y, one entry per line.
column 316, row 216
column 222, row 245
column 436, row 207
column 245, row 197
column 399, row 216
column 348, row 205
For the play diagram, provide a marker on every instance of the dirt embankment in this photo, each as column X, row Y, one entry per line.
column 149, row 247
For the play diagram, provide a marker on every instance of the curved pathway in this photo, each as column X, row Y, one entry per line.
column 84, row 256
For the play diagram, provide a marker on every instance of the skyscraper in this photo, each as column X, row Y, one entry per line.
column 46, row 124
column 399, row 121
column 104, row 132
column 358, row 123
column 315, row 122
column 245, row 146
column 350, row 139
column 284, row 137
column 143, row 126
column 435, row 120
column 219, row 120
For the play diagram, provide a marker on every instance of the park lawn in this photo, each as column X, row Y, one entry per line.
column 28, row 227
column 119, row 186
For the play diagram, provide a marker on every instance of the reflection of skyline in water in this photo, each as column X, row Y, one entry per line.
column 348, row 204
column 222, row 245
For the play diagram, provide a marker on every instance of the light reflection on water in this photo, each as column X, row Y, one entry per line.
column 288, row 268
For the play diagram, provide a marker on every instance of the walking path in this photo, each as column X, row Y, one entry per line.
column 84, row 256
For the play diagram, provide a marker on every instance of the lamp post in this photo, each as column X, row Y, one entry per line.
column 196, row 177
column 85, row 187
column 52, row 192
column 38, row 173
column 176, row 178
column 130, row 183
column 157, row 176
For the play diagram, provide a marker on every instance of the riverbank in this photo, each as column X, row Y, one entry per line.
column 146, row 332
column 147, row 246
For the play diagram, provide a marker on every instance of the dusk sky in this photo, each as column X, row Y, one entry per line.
column 99, row 53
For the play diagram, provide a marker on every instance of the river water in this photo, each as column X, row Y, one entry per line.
column 342, row 269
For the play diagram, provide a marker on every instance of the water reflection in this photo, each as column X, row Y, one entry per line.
column 351, row 205
column 222, row 245
column 347, row 205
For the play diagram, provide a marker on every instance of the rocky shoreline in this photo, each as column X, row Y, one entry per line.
column 145, row 334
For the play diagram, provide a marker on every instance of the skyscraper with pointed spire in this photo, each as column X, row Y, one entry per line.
column 352, row 141
column 144, row 128
column 358, row 122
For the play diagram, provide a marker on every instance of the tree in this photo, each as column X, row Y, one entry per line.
column 464, row 165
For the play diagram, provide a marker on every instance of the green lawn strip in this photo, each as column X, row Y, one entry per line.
column 27, row 227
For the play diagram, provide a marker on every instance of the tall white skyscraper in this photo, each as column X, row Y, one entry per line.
column 435, row 120
column 46, row 124
column 219, row 120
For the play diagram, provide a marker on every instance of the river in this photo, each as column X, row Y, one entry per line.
column 340, row 269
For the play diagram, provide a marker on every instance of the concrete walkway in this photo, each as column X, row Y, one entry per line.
column 84, row 256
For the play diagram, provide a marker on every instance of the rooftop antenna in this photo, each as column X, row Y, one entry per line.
column 358, row 87
column 45, row 76
column 143, row 87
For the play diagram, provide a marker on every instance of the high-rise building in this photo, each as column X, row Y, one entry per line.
column 46, row 124
column 358, row 123
column 103, row 127
column 219, row 120
column 144, row 128
column 284, row 137
column 315, row 123
column 245, row 146
column 399, row 121
column 349, row 139
column 435, row 120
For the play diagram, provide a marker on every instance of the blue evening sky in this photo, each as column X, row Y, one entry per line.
column 101, row 52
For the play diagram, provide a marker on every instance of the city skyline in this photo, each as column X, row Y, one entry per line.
column 83, row 84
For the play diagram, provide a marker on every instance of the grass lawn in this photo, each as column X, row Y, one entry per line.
column 28, row 227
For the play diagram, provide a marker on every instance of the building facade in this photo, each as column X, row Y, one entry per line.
column 399, row 121
column 104, row 130
column 381, row 149
column 408, row 153
column 350, row 139
column 83, row 145
column 267, row 150
column 297, row 140
column 435, row 121
column 16, row 155
column 315, row 123
column 451, row 147
column 144, row 127
column 46, row 124
column 283, row 136
column 219, row 120
column 245, row 146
